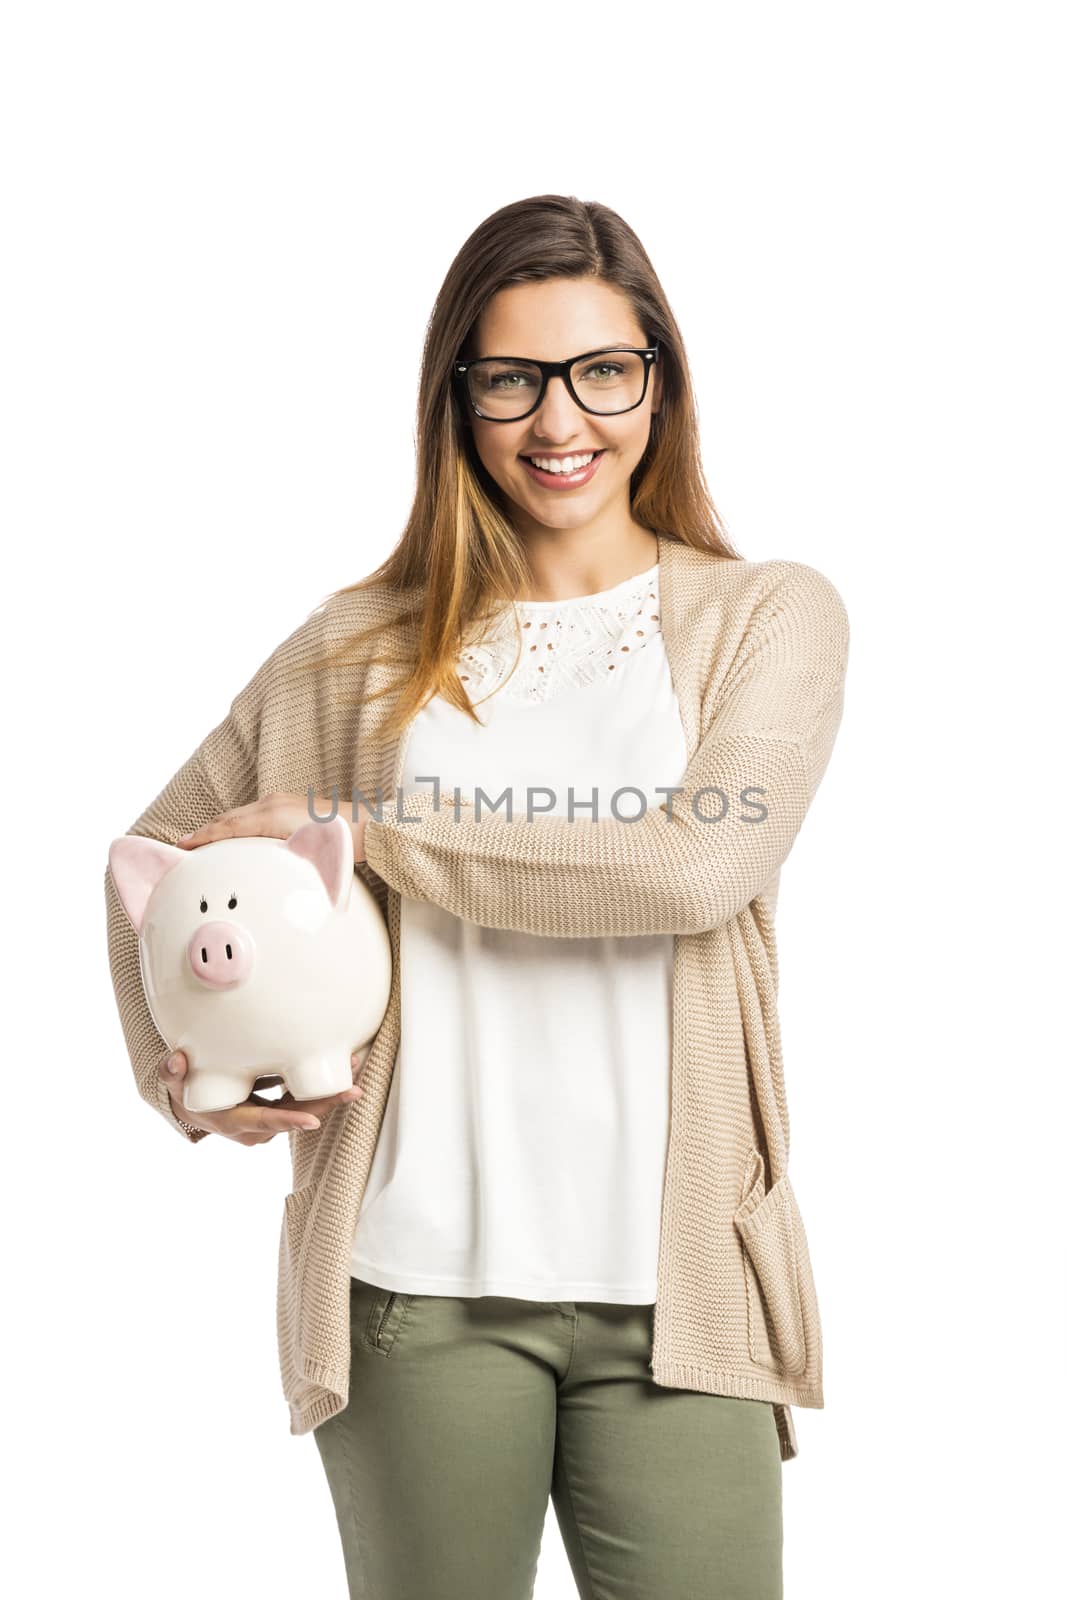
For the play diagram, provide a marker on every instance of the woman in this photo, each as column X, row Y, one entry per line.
column 548, row 1245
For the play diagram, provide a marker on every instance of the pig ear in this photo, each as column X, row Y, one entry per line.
column 137, row 865
column 328, row 846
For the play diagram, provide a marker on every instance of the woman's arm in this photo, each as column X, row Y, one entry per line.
column 671, row 871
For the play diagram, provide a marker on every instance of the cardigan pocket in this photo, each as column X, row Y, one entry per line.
column 295, row 1223
column 776, row 1262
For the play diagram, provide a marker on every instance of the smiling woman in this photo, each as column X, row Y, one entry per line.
column 609, row 381
column 561, row 435
column 565, row 1189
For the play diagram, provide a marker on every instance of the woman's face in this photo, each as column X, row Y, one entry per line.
column 552, row 321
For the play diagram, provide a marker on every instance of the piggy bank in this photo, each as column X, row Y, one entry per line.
column 258, row 957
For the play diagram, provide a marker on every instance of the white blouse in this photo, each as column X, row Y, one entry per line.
column 523, row 1146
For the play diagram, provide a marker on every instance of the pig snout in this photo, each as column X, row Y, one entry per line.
column 220, row 954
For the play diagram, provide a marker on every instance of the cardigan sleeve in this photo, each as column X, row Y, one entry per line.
column 219, row 775
column 673, row 869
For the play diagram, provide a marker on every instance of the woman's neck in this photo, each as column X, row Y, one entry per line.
column 566, row 571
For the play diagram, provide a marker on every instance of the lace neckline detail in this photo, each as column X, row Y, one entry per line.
column 562, row 644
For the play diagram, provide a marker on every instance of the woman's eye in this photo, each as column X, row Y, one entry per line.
column 203, row 903
column 231, row 902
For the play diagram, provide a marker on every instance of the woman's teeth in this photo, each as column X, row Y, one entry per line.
column 567, row 464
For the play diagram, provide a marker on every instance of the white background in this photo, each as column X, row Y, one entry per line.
column 224, row 228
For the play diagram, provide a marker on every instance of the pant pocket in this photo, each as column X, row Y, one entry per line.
column 777, row 1272
column 384, row 1316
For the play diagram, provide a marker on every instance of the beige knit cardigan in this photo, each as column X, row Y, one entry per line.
column 758, row 654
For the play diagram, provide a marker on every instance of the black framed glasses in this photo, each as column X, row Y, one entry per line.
column 603, row 382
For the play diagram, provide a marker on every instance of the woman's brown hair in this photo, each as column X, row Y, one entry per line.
column 459, row 558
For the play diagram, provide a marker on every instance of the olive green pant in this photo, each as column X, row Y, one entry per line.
column 466, row 1414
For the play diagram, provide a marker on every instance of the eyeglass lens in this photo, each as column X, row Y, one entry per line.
column 610, row 381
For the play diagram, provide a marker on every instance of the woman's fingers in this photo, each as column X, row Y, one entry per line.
column 274, row 816
column 172, row 1070
column 359, row 1059
column 226, row 826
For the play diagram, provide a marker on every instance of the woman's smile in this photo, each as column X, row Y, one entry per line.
column 559, row 478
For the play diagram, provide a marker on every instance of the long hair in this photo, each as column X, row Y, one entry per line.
column 459, row 558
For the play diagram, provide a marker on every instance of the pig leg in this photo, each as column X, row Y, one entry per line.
column 209, row 1090
column 312, row 1076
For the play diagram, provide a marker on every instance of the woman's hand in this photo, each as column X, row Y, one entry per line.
column 257, row 1120
column 275, row 816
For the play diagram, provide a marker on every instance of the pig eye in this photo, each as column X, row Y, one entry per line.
column 203, row 903
column 231, row 902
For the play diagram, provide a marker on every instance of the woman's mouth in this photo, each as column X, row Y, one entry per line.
column 562, row 479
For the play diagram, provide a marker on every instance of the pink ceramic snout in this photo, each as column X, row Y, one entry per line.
column 220, row 954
